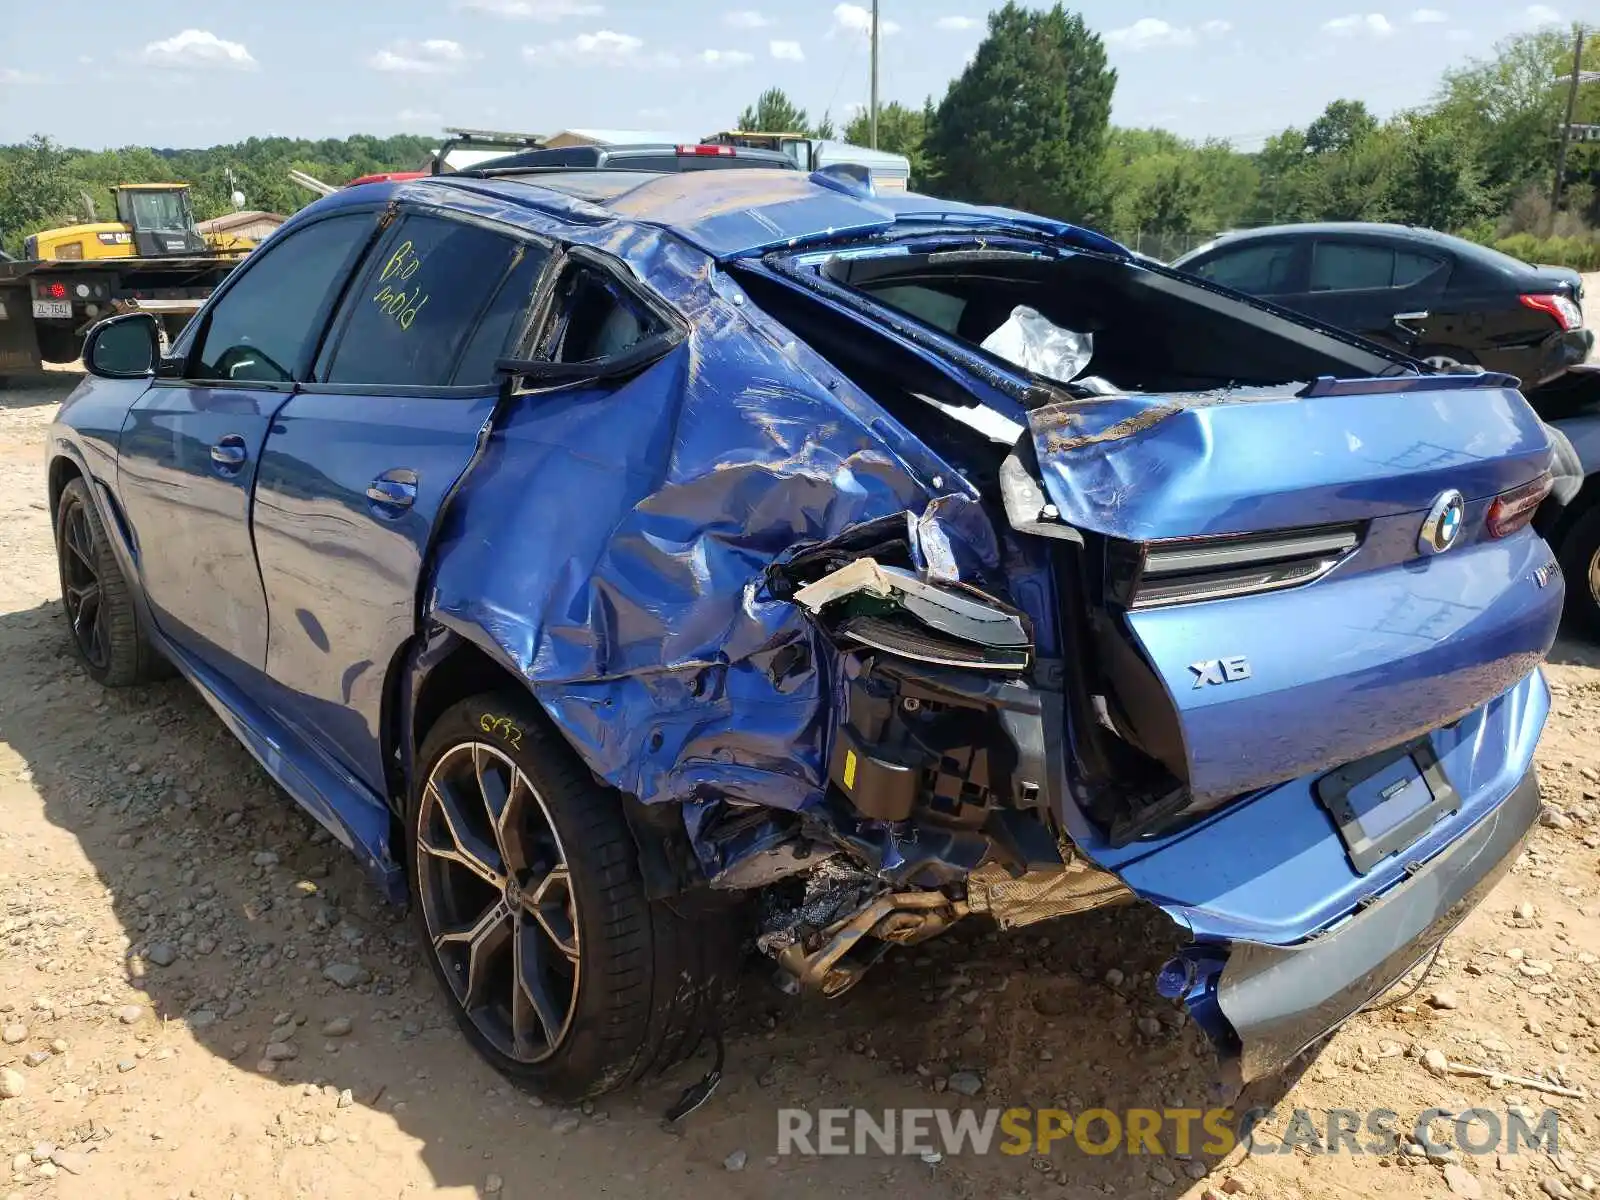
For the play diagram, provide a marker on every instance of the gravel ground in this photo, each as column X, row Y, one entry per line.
column 171, row 928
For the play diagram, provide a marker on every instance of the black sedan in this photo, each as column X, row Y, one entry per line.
column 1439, row 298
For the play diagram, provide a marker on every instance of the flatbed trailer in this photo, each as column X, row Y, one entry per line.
column 46, row 306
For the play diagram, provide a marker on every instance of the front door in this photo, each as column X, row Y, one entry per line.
column 190, row 449
column 358, row 466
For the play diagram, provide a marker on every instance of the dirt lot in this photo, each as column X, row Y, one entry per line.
column 166, row 917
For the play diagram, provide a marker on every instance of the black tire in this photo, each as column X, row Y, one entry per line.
column 110, row 640
column 62, row 346
column 651, row 977
column 1580, row 566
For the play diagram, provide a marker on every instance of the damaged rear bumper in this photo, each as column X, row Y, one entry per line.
column 1274, row 1001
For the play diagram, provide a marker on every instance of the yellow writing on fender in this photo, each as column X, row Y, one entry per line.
column 401, row 304
column 1101, row 1131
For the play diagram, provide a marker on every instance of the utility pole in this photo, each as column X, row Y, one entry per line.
column 1566, row 130
column 872, row 120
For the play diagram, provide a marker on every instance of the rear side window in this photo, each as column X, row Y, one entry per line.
column 434, row 290
column 596, row 318
column 1412, row 269
column 1254, row 270
column 1348, row 267
column 262, row 326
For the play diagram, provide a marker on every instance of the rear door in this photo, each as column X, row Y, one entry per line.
column 191, row 447
column 1373, row 288
column 359, row 464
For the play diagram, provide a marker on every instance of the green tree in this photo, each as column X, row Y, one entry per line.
column 901, row 130
column 35, row 190
column 1026, row 122
column 1286, row 181
column 1342, row 125
column 1356, row 183
column 774, row 112
column 1509, row 107
column 1438, row 179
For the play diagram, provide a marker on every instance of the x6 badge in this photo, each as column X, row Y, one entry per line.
column 1220, row 670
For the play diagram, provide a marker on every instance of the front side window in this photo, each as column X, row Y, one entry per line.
column 262, row 327
column 435, row 289
column 1254, row 270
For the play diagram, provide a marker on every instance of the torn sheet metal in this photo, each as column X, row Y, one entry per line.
column 1247, row 460
column 645, row 628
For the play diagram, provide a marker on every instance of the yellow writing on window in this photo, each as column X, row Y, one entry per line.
column 400, row 303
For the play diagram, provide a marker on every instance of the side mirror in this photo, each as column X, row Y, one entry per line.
column 124, row 347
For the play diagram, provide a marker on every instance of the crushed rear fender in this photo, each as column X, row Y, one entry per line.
column 609, row 548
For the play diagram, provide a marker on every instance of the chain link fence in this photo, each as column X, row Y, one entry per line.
column 1164, row 244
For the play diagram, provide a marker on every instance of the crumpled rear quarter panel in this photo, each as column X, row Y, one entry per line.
column 610, row 546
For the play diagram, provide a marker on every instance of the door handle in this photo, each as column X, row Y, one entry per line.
column 1403, row 319
column 229, row 452
column 393, row 489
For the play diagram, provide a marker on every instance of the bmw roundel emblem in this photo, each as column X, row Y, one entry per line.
column 1443, row 524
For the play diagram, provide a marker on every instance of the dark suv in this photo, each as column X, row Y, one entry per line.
column 1439, row 298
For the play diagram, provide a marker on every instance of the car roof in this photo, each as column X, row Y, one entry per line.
column 727, row 214
column 1334, row 228
column 1416, row 235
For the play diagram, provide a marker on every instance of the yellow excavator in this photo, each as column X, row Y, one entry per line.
column 154, row 220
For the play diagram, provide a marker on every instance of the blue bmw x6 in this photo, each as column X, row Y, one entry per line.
column 634, row 569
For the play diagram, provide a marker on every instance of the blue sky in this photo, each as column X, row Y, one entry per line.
column 198, row 72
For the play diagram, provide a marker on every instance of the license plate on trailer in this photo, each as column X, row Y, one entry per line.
column 1382, row 804
column 53, row 309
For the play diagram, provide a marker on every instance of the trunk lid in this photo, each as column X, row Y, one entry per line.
column 1143, row 467
column 1326, row 633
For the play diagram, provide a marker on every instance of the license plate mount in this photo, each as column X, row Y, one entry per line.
column 53, row 310
column 1384, row 803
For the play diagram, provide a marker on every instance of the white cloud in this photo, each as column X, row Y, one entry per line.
column 655, row 114
column 853, row 19
column 198, row 48
column 725, row 58
column 435, row 56
column 746, row 18
column 1430, row 16
column 1149, row 32
column 418, row 116
column 958, row 24
column 1372, row 25
column 788, row 51
column 547, row 11
column 11, row 75
column 1460, row 35
column 1543, row 14
column 605, row 47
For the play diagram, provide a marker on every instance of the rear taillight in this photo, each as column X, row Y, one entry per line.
column 709, row 151
column 1567, row 314
column 1186, row 570
column 1513, row 510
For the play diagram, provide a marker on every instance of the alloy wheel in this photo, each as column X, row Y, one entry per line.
column 81, row 587
column 1594, row 576
column 497, row 900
